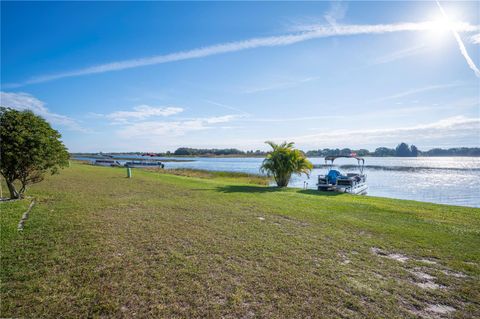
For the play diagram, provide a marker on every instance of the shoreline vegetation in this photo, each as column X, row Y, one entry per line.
column 119, row 157
column 402, row 150
column 183, row 243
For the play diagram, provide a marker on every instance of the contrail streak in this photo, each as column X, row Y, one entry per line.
column 463, row 50
column 310, row 33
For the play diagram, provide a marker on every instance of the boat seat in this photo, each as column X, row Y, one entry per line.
column 333, row 175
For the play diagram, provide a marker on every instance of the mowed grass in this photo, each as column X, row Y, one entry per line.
column 236, row 177
column 158, row 245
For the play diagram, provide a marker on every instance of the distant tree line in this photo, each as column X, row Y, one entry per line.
column 182, row 151
column 337, row 152
column 402, row 150
column 456, row 151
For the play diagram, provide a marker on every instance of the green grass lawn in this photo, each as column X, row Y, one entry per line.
column 97, row 244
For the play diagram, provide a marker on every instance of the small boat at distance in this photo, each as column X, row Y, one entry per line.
column 150, row 154
column 106, row 162
column 353, row 183
column 139, row 164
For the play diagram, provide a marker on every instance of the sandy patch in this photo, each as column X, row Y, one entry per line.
column 398, row 257
column 440, row 309
column 428, row 261
column 421, row 275
column 429, row 285
column 345, row 260
column 454, row 274
column 424, row 280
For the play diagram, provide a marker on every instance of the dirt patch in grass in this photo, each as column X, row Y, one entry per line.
column 454, row 274
column 440, row 309
column 394, row 256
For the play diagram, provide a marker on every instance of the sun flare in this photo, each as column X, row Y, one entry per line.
column 441, row 25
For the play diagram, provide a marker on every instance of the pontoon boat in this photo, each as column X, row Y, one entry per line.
column 107, row 162
column 145, row 164
column 354, row 183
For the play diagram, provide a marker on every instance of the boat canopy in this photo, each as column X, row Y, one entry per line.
column 332, row 158
column 360, row 160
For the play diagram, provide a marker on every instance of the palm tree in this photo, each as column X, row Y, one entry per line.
column 283, row 161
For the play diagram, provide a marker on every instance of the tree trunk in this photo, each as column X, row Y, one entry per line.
column 13, row 191
column 282, row 181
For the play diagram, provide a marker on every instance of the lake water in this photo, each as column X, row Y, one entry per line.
column 443, row 180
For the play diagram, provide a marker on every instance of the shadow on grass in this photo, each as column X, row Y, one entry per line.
column 271, row 189
column 318, row 193
column 248, row 189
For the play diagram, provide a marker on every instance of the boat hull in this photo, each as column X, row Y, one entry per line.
column 359, row 189
column 143, row 166
column 107, row 163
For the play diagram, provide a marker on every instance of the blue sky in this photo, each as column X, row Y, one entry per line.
column 154, row 76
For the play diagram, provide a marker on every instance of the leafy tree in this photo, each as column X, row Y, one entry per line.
column 413, row 151
column 29, row 148
column 363, row 152
column 384, row 151
column 402, row 150
column 283, row 161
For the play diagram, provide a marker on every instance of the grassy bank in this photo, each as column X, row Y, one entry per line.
column 235, row 177
column 161, row 245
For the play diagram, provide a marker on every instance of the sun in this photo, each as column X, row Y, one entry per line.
column 444, row 20
column 440, row 25
column 439, row 28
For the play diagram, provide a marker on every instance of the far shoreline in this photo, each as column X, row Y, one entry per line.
column 117, row 156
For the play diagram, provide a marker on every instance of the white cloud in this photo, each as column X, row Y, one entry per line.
column 422, row 110
column 417, row 91
column 166, row 129
column 228, row 107
column 357, row 29
column 218, row 119
column 475, row 39
column 142, row 112
column 337, row 11
column 400, row 54
column 160, row 129
column 24, row 101
column 457, row 130
column 292, row 119
column 281, row 85
column 303, row 33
